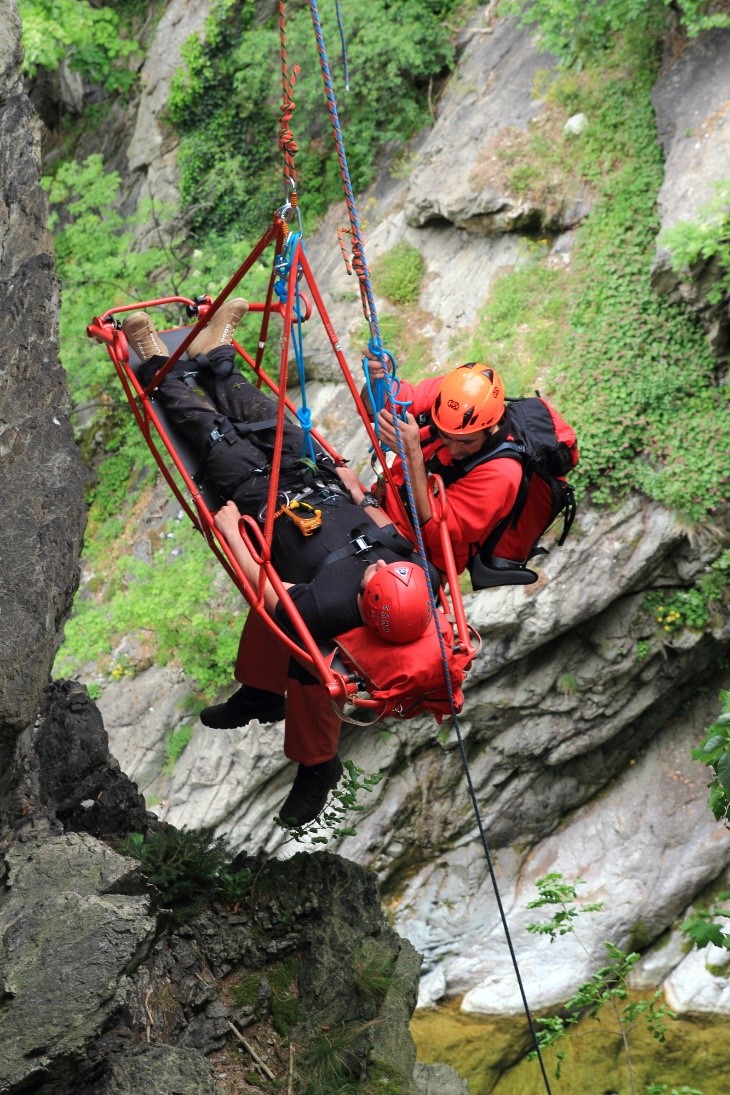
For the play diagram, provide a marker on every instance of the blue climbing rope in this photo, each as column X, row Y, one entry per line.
column 283, row 269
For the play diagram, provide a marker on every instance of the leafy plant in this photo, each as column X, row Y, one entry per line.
column 578, row 31
column 560, row 896
column 676, row 609
column 176, row 745
column 607, row 989
column 186, row 867
column 705, row 240
column 626, row 367
column 332, row 822
column 701, row 926
column 97, row 261
column 172, row 600
column 226, row 109
column 399, row 273
column 714, row 751
column 90, row 37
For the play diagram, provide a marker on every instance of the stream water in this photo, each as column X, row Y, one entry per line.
column 490, row 1053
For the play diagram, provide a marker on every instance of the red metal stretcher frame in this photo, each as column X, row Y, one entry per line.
column 103, row 329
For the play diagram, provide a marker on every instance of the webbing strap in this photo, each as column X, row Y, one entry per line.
column 367, row 540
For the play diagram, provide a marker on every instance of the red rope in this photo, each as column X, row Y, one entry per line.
column 287, row 144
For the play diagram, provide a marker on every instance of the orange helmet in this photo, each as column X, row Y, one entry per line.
column 395, row 602
column 468, row 399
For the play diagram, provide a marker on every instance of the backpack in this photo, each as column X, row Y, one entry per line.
column 540, row 450
column 413, row 682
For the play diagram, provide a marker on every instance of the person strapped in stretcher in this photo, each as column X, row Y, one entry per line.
column 342, row 562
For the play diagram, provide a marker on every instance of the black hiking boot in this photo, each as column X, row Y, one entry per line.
column 246, row 704
column 309, row 792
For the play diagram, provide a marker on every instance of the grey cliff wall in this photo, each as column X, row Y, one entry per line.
column 692, row 103
column 41, row 504
column 569, row 731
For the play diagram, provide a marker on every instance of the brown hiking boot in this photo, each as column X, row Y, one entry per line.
column 219, row 331
column 142, row 337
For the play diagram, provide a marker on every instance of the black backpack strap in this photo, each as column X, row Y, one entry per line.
column 569, row 510
column 451, row 473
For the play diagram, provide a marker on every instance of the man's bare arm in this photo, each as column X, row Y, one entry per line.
column 226, row 521
column 352, row 483
column 410, row 436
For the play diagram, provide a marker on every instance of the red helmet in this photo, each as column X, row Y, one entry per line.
column 395, row 602
column 468, row 399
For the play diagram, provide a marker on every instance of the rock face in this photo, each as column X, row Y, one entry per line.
column 692, row 103
column 455, row 178
column 103, row 989
column 41, row 508
column 574, row 699
column 152, row 150
column 577, row 724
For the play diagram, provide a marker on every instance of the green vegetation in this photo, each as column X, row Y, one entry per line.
column 579, row 31
column 227, row 109
column 714, row 751
column 99, row 267
column 606, row 991
column 173, row 600
column 399, row 273
column 92, row 39
column 707, row 240
column 188, row 869
column 631, row 369
column 330, row 1063
column 332, row 823
column 284, row 1006
column 701, row 926
column 176, row 745
column 695, row 607
column 374, row 970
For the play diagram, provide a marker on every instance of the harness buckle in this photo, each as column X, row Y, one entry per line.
column 361, row 544
column 222, row 430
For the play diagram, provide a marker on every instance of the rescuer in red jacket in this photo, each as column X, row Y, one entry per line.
column 451, row 420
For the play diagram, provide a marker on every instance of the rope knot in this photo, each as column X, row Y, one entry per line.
column 305, row 418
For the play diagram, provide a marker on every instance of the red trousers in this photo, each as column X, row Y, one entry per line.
column 311, row 727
